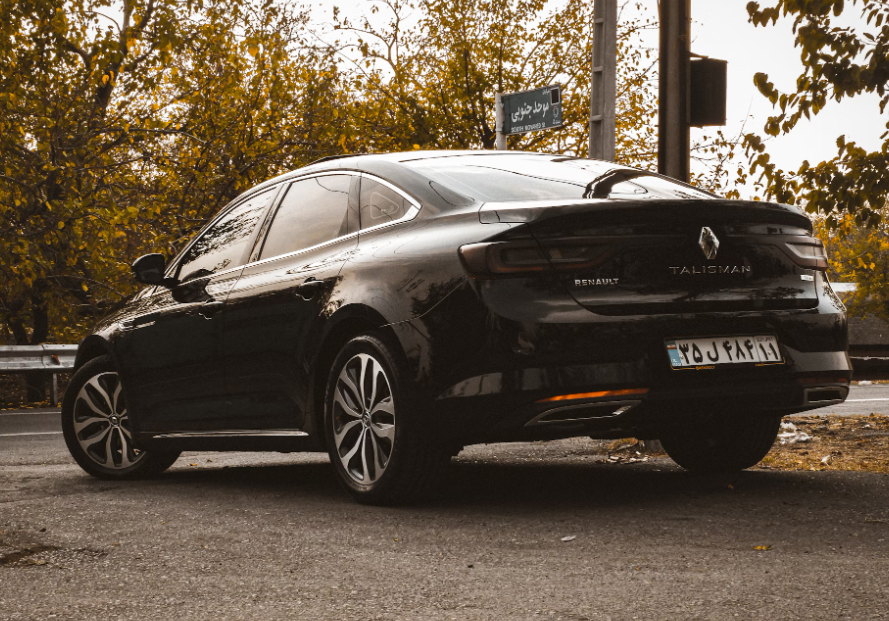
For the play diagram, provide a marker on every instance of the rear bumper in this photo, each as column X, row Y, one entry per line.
column 518, row 405
column 485, row 374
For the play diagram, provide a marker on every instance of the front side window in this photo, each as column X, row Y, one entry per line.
column 312, row 212
column 224, row 244
column 380, row 204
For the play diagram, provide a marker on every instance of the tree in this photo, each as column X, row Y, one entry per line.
column 432, row 84
column 859, row 255
column 121, row 136
column 126, row 124
column 838, row 63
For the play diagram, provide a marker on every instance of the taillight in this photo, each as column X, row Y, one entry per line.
column 515, row 259
column 808, row 252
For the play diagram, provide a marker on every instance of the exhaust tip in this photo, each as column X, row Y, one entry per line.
column 582, row 412
column 825, row 395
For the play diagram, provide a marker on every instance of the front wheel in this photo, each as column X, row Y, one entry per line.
column 383, row 450
column 722, row 445
column 96, row 426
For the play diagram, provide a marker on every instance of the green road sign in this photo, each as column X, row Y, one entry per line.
column 532, row 110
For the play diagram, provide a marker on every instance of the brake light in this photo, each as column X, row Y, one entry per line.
column 514, row 259
column 808, row 252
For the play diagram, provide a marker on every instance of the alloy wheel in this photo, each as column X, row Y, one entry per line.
column 363, row 419
column 101, row 424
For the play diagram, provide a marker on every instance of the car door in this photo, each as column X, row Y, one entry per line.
column 280, row 302
column 169, row 352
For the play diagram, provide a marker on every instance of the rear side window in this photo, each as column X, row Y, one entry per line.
column 380, row 204
column 224, row 244
column 312, row 212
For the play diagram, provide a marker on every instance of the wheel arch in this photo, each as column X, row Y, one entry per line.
column 347, row 323
column 90, row 348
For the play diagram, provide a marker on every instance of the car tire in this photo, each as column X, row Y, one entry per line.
column 382, row 449
column 723, row 446
column 95, row 425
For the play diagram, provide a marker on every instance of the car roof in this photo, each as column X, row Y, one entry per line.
column 359, row 161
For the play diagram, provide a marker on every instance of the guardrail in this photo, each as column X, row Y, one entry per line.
column 51, row 359
column 868, row 361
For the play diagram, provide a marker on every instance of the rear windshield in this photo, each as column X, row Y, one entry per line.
column 504, row 178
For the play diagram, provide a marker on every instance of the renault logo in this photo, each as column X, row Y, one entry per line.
column 708, row 243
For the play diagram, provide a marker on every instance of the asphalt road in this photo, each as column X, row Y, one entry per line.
column 268, row 536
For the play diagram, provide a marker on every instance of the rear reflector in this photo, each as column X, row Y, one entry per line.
column 595, row 395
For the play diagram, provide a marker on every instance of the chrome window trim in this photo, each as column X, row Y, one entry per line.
column 409, row 215
column 296, row 252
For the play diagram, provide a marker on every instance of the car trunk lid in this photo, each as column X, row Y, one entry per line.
column 672, row 256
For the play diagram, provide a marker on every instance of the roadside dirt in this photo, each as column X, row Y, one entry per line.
column 850, row 443
column 855, row 443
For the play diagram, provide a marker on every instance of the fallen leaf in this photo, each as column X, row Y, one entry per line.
column 762, row 548
column 568, row 538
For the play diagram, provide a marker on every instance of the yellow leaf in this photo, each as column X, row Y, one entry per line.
column 253, row 49
column 104, row 79
column 762, row 548
column 84, row 287
column 61, row 225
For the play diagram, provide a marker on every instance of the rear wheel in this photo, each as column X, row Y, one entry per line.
column 722, row 446
column 96, row 426
column 383, row 451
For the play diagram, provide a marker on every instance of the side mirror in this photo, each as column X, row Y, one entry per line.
column 149, row 269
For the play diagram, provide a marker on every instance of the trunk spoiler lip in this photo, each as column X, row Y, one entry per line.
column 521, row 212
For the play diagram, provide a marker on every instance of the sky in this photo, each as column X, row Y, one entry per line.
column 720, row 30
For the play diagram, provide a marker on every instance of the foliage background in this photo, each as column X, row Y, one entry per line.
column 126, row 124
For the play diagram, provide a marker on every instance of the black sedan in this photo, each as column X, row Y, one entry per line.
column 392, row 309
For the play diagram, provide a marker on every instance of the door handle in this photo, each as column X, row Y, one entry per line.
column 210, row 308
column 309, row 288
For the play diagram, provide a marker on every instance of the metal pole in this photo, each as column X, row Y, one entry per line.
column 673, row 157
column 500, row 143
column 603, row 82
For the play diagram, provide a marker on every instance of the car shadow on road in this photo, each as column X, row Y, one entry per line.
column 480, row 486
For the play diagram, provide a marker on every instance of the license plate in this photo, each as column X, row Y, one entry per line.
column 724, row 350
